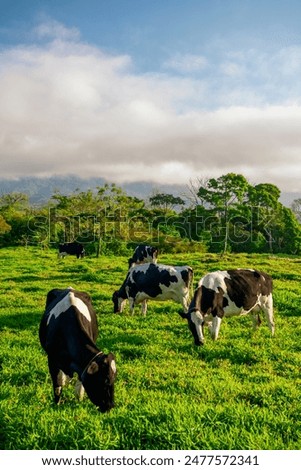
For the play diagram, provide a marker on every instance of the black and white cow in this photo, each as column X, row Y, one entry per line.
column 227, row 293
column 72, row 248
column 68, row 331
column 156, row 282
column 143, row 254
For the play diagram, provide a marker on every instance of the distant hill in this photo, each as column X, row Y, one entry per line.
column 40, row 190
column 288, row 198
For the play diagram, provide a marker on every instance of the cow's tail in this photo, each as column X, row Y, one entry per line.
column 190, row 283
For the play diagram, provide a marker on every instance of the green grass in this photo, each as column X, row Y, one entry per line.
column 241, row 392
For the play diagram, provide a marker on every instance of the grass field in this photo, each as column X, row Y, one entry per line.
column 241, row 392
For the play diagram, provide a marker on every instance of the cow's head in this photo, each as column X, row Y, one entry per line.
column 196, row 325
column 154, row 254
column 98, row 380
column 118, row 302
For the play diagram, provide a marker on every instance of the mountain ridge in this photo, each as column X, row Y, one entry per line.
column 40, row 190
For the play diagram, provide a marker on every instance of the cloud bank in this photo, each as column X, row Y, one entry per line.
column 67, row 107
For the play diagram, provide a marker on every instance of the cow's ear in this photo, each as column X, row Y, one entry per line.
column 183, row 314
column 93, row 368
column 111, row 361
column 52, row 294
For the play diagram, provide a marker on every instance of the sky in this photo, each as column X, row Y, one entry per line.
column 164, row 91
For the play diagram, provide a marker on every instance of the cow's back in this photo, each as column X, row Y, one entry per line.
column 154, row 274
column 68, row 318
column 242, row 287
column 245, row 286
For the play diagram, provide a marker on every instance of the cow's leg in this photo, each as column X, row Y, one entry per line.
column 144, row 307
column 132, row 305
column 215, row 327
column 267, row 307
column 185, row 302
column 58, row 380
column 256, row 320
column 79, row 390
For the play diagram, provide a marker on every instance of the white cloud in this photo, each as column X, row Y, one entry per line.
column 52, row 29
column 233, row 69
column 186, row 63
column 67, row 107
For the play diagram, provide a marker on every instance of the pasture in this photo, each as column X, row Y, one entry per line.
column 241, row 392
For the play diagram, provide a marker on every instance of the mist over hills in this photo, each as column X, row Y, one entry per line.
column 40, row 190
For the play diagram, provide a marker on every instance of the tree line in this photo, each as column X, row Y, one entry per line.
column 224, row 214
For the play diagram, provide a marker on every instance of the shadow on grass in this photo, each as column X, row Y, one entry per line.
column 216, row 353
column 287, row 276
column 128, row 346
column 20, row 321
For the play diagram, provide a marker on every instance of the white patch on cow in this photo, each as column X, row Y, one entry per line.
column 176, row 291
column 79, row 390
column 231, row 309
column 113, row 366
column 139, row 267
column 121, row 304
column 66, row 302
column 144, row 307
column 197, row 319
column 215, row 280
column 63, row 378
column 215, row 327
column 266, row 304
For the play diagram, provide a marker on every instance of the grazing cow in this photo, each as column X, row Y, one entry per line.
column 73, row 248
column 226, row 293
column 154, row 281
column 143, row 254
column 68, row 331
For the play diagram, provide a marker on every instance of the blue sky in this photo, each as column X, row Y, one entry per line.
column 164, row 91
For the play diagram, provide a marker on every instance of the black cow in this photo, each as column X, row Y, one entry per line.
column 143, row 254
column 72, row 248
column 68, row 331
column 226, row 293
column 154, row 281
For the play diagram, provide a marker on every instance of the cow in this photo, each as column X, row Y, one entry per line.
column 68, row 331
column 227, row 293
column 72, row 248
column 156, row 282
column 143, row 254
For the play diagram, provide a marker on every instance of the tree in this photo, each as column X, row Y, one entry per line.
column 166, row 202
column 296, row 208
column 15, row 210
column 102, row 215
column 289, row 240
column 222, row 195
column 4, row 226
column 265, row 205
column 12, row 203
